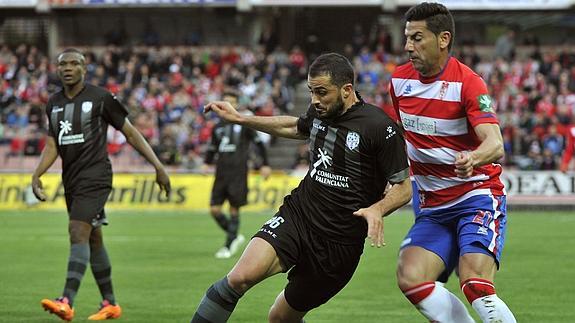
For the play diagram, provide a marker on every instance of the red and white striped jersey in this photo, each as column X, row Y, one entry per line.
column 438, row 115
column 569, row 148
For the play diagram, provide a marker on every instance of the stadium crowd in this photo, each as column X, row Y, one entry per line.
column 165, row 88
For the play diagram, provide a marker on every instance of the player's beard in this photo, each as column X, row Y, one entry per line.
column 335, row 110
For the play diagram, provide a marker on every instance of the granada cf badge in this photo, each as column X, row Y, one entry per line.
column 485, row 103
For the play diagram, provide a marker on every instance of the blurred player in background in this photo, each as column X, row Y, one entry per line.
column 230, row 147
column 318, row 233
column 453, row 139
column 79, row 116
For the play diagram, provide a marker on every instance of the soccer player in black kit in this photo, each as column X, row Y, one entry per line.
column 230, row 149
column 318, row 233
column 79, row 116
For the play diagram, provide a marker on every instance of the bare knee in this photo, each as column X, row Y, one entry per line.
column 275, row 315
column 96, row 240
column 79, row 232
column 240, row 282
column 408, row 277
column 281, row 312
column 477, row 265
column 215, row 210
column 417, row 266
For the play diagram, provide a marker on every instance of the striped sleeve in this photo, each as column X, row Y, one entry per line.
column 477, row 101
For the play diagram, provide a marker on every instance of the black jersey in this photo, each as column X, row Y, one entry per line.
column 79, row 127
column 231, row 144
column 353, row 157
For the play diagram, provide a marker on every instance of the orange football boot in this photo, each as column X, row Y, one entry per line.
column 107, row 312
column 60, row 307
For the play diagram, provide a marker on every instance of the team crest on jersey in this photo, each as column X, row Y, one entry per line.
column 443, row 90
column 352, row 140
column 86, row 107
column 485, row 103
column 407, row 89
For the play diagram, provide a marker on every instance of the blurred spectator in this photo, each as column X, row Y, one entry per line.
column 301, row 160
column 269, row 38
column 505, row 45
column 358, row 39
column 548, row 161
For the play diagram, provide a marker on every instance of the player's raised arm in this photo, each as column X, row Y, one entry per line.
column 279, row 126
column 136, row 140
column 49, row 155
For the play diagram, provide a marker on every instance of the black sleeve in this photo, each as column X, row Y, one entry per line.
column 305, row 121
column 212, row 148
column 48, row 111
column 115, row 113
column 391, row 153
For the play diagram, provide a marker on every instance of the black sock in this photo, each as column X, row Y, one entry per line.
column 77, row 262
column 233, row 230
column 102, row 270
column 217, row 304
column 222, row 221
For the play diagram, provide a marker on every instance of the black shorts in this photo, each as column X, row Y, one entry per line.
column 87, row 205
column 232, row 189
column 318, row 268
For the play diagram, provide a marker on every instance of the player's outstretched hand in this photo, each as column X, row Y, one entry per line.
column 224, row 110
column 163, row 180
column 464, row 164
column 374, row 225
column 38, row 189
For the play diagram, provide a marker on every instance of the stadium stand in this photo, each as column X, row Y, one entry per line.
column 166, row 88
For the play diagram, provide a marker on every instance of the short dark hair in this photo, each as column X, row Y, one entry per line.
column 336, row 66
column 71, row 50
column 74, row 51
column 437, row 17
column 231, row 92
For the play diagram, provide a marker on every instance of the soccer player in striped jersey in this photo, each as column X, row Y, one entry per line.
column 453, row 141
column 318, row 233
column 78, row 117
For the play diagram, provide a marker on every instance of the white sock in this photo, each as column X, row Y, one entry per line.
column 442, row 306
column 492, row 309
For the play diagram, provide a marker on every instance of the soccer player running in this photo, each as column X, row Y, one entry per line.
column 230, row 143
column 79, row 116
column 318, row 233
column 453, row 140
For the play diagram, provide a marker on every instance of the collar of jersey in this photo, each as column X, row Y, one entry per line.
column 433, row 78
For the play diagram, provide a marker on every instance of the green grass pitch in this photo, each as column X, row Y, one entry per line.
column 163, row 262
